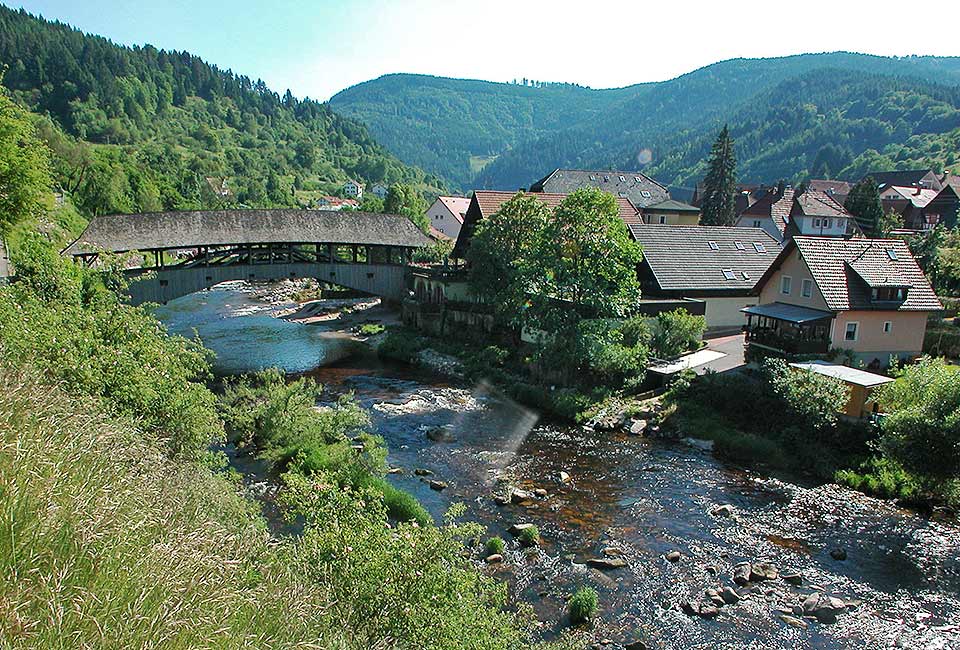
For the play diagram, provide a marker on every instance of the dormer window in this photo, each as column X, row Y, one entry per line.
column 892, row 253
column 759, row 247
column 739, row 245
column 889, row 294
column 728, row 274
column 713, row 245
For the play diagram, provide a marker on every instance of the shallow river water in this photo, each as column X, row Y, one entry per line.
column 643, row 498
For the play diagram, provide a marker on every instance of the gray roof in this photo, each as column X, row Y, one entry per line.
column 159, row 230
column 791, row 313
column 671, row 205
column 681, row 258
column 641, row 190
column 844, row 373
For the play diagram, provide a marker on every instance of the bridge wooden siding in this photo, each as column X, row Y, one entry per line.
column 363, row 251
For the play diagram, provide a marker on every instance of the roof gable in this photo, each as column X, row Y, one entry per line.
column 455, row 205
column 705, row 258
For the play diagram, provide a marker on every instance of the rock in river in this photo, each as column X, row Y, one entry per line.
column 741, row 573
column 493, row 558
column 824, row 608
column 673, row 556
column 730, row 596
column 438, row 485
column 838, row 554
column 422, row 472
column 516, row 529
column 792, row 577
column 763, row 571
column 725, row 510
column 520, row 496
column 637, row 427
column 607, row 562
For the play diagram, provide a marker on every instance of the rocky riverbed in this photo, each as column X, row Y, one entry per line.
column 685, row 550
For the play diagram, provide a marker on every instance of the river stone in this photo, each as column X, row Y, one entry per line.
column 712, row 570
column 637, row 427
column 741, row 573
column 564, row 477
column 838, row 554
column 793, row 620
column 690, row 608
column 540, row 492
column 494, row 558
column 520, row 496
column 607, row 562
column 708, row 610
column 792, row 577
column 516, row 529
column 725, row 510
column 422, row 472
column 763, row 571
column 438, row 485
column 395, row 470
column 730, row 596
column 610, row 551
column 824, row 608
column 673, row 556
column 438, row 434
column 635, row 645
column 501, row 499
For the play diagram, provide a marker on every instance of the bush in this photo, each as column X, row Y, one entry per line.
column 676, row 332
column 400, row 505
column 583, row 605
column 530, row 536
column 401, row 345
column 881, row 477
column 496, row 546
column 812, row 402
column 371, row 329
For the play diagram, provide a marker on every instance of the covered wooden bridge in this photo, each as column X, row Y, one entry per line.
column 179, row 253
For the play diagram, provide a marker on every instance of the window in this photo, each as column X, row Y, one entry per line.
column 887, row 327
column 756, row 223
column 713, row 245
column 816, row 223
column 828, row 223
column 645, row 194
column 663, row 218
column 892, row 253
column 636, row 178
column 890, row 294
column 623, row 180
column 850, row 334
column 728, row 274
column 786, row 283
column 746, row 276
column 760, row 247
column 806, row 288
column 739, row 245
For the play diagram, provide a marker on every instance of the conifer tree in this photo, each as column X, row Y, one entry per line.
column 863, row 203
column 720, row 185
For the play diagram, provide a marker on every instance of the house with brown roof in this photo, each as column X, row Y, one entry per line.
column 446, row 214
column 867, row 296
column 487, row 202
column 911, row 204
column 787, row 212
column 639, row 189
column 925, row 178
column 715, row 264
column 837, row 190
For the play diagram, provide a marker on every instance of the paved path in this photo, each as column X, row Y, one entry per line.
column 732, row 349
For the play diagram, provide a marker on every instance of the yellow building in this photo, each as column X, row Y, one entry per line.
column 671, row 213
column 861, row 401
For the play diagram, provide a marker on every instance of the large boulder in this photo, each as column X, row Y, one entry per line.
column 823, row 607
column 606, row 563
column 516, row 529
column 741, row 573
column 521, row 497
column 763, row 571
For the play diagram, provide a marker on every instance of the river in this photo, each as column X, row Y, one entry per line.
column 636, row 498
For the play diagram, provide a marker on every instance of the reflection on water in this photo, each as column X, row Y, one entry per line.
column 642, row 498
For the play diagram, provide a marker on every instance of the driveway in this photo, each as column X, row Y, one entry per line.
column 732, row 349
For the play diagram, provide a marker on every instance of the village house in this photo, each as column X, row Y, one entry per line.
column 867, row 296
column 860, row 384
column 487, row 202
column 787, row 212
column 911, row 203
column 352, row 189
column 671, row 213
column 714, row 264
column 336, row 203
column 640, row 190
column 836, row 190
column 379, row 190
column 446, row 214
column 924, row 178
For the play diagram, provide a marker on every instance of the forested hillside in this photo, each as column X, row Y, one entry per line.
column 636, row 126
column 139, row 128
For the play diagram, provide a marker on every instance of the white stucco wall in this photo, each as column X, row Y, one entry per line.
column 725, row 312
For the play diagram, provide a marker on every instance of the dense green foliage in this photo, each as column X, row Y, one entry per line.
column 404, row 199
column 583, row 605
column 937, row 252
column 922, row 432
column 863, row 203
column 67, row 322
column 676, row 332
column 720, row 184
column 812, row 114
column 139, row 129
column 24, row 168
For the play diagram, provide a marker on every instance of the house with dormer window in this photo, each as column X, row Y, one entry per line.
column 867, row 296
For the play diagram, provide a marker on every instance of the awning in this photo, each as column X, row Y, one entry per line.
column 791, row 313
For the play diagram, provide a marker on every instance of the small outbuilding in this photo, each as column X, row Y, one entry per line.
column 860, row 382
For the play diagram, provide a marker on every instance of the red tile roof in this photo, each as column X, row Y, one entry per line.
column 846, row 270
column 773, row 205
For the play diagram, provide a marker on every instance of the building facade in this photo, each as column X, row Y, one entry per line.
column 446, row 214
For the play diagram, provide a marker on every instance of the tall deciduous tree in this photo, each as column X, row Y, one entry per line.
column 863, row 203
column 404, row 199
column 24, row 167
column 503, row 256
column 720, row 184
column 588, row 261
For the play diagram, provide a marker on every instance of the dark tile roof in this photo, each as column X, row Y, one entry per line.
column 815, row 203
column 775, row 206
column 487, row 202
column 837, row 189
column 670, row 205
column 680, row 258
column 641, row 190
column 157, row 230
column 845, row 270
column 907, row 178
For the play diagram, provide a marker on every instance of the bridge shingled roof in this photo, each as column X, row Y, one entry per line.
column 189, row 229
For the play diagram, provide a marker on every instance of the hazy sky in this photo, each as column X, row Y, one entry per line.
column 318, row 48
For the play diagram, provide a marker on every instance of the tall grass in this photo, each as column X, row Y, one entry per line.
column 106, row 543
